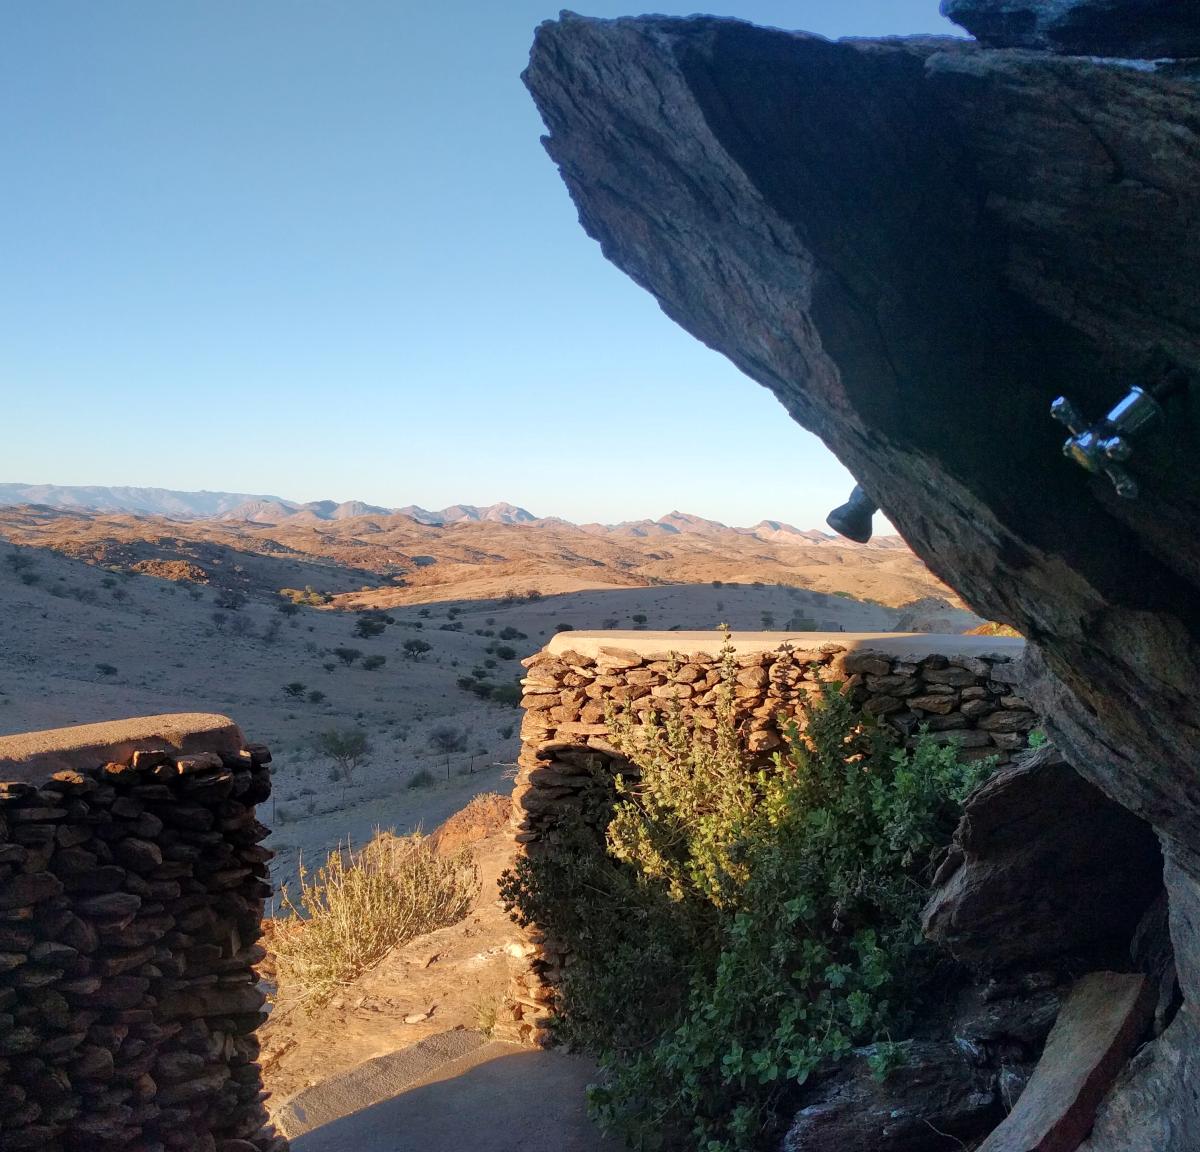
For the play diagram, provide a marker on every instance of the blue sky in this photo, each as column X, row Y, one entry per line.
column 316, row 249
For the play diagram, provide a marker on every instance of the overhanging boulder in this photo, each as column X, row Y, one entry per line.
column 1031, row 874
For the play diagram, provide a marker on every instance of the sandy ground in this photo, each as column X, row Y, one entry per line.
column 79, row 644
column 455, row 977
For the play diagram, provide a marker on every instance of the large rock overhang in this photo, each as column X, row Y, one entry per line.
column 917, row 245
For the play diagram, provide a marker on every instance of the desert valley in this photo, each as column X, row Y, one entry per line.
column 257, row 611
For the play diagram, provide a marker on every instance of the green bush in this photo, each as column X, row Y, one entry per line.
column 741, row 926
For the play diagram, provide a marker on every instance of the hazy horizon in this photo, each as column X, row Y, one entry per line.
column 883, row 526
column 321, row 248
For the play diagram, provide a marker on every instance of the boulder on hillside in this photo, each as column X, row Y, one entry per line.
column 1139, row 29
column 1042, row 864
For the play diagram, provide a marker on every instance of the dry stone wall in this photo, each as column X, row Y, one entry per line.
column 965, row 689
column 132, row 883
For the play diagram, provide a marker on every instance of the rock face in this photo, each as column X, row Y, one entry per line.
column 917, row 245
column 1150, row 29
column 1104, row 1019
column 1030, row 874
column 935, row 1091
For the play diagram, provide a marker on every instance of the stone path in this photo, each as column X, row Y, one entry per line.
column 451, row 1093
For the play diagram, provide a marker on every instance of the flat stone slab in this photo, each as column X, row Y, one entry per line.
column 1105, row 1017
column 33, row 756
column 898, row 645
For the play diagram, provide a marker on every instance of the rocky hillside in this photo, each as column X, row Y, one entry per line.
column 401, row 560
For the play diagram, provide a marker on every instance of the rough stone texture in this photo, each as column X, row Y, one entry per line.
column 1104, row 1019
column 936, row 1092
column 916, row 245
column 565, row 743
column 132, row 887
column 1155, row 1105
column 1026, row 879
column 1150, row 29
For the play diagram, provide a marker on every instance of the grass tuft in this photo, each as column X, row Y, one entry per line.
column 358, row 906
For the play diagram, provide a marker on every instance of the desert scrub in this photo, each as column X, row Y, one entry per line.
column 741, row 923
column 358, row 906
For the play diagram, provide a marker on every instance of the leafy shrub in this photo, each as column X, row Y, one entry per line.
column 360, row 905
column 421, row 779
column 509, row 693
column 373, row 663
column 415, row 649
column 347, row 655
column 505, row 652
column 307, row 596
column 744, row 925
column 508, row 632
column 106, row 669
column 316, row 696
column 445, row 739
column 294, row 689
column 231, row 599
column 369, row 624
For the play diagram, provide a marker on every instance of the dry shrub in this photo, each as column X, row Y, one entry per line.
column 358, row 906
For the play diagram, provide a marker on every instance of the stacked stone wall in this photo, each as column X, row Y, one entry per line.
column 964, row 690
column 132, row 885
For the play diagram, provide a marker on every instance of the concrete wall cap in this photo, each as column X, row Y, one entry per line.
column 32, row 756
column 895, row 645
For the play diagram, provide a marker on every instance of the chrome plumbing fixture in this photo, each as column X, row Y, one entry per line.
column 1104, row 447
column 853, row 519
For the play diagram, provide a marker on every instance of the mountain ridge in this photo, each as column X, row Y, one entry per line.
column 249, row 508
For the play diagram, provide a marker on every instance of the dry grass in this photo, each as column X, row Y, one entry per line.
column 358, row 906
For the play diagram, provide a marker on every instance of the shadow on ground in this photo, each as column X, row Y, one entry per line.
column 498, row 1099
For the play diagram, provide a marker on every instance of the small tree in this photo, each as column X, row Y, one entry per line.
column 218, row 619
column 232, row 599
column 415, row 649
column 367, row 626
column 347, row 655
column 445, row 739
column 241, row 625
column 347, row 748
column 372, row 663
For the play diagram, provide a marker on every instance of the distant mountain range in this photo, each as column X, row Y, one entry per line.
column 258, row 509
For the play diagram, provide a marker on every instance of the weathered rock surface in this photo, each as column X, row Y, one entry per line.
column 1100, row 1025
column 916, row 245
column 1150, row 29
column 936, row 1098
column 1030, row 873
